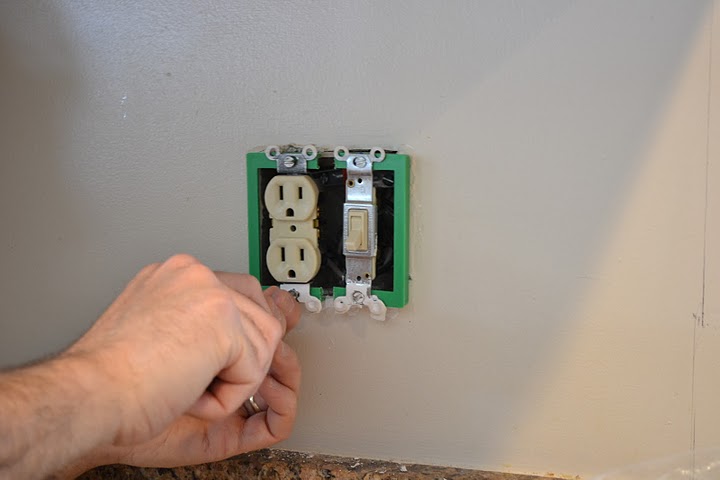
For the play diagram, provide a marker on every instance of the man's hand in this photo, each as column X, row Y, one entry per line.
column 167, row 368
column 190, row 440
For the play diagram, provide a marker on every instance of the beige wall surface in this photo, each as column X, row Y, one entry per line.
column 565, row 314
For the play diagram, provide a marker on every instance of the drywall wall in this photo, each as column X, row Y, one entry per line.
column 564, row 297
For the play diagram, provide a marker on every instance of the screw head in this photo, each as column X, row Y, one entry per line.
column 360, row 162
column 358, row 297
column 289, row 162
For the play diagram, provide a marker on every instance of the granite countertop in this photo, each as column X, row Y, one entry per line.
column 286, row 465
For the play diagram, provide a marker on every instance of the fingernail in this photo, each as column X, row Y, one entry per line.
column 278, row 296
column 285, row 300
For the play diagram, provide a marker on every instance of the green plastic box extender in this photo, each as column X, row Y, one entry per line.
column 331, row 224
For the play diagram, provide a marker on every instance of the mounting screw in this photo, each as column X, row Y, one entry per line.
column 358, row 297
column 289, row 162
column 360, row 162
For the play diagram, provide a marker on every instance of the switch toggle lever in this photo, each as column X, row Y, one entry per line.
column 357, row 238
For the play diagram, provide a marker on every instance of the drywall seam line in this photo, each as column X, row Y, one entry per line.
column 701, row 318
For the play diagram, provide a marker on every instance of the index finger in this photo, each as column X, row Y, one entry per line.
column 285, row 301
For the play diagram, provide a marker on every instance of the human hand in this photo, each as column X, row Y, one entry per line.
column 189, row 346
column 190, row 440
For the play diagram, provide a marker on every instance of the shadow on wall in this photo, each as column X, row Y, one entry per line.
column 545, row 144
column 559, row 153
column 39, row 214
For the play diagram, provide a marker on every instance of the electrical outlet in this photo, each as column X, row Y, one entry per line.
column 293, row 260
column 331, row 223
column 293, row 255
column 291, row 197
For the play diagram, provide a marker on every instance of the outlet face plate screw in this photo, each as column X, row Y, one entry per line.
column 360, row 162
column 358, row 297
column 289, row 162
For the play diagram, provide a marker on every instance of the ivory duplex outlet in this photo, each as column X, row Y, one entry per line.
column 291, row 198
column 293, row 254
column 331, row 224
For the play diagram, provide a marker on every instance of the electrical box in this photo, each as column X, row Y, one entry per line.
column 331, row 224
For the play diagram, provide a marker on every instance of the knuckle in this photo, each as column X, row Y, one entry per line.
column 198, row 271
column 180, row 260
column 189, row 271
column 274, row 329
column 220, row 302
column 264, row 357
column 257, row 376
column 253, row 283
column 148, row 269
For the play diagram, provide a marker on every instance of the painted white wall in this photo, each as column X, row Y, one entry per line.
column 561, row 151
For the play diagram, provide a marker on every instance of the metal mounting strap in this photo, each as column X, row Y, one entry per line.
column 291, row 163
column 301, row 291
column 360, row 233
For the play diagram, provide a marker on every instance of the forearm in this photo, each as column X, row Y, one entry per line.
column 134, row 388
column 53, row 414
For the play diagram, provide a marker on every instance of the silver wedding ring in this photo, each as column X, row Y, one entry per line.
column 251, row 405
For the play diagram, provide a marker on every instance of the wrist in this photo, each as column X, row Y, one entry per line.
column 55, row 414
column 101, row 400
column 103, row 455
